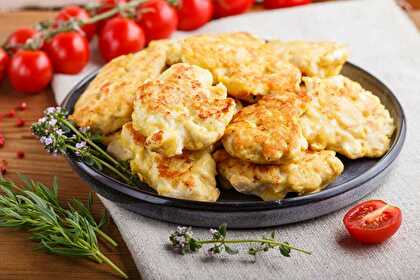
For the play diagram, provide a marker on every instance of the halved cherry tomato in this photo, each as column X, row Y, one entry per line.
column 274, row 4
column 78, row 13
column 223, row 8
column 18, row 38
column 193, row 14
column 30, row 71
column 120, row 36
column 69, row 52
column 372, row 221
column 4, row 62
column 157, row 18
column 106, row 5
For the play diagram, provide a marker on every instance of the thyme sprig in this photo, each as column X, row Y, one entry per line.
column 182, row 240
column 60, row 136
column 70, row 231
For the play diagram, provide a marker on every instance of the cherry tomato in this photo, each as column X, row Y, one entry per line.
column 372, row 221
column 69, row 52
column 30, row 71
column 223, row 8
column 78, row 13
column 106, row 5
column 4, row 61
column 19, row 37
column 120, row 36
column 274, row 4
column 157, row 18
column 193, row 14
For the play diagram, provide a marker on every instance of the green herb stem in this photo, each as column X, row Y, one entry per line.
column 106, row 164
column 111, row 264
column 89, row 141
column 266, row 241
column 106, row 237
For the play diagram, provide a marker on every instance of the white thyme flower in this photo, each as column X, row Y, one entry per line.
column 46, row 140
column 213, row 231
column 52, row 122
column 50, row 110
column 81, row 145
column 59, row 132
column 42, row 120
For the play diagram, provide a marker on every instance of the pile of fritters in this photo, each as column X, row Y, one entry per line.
column 267, row 117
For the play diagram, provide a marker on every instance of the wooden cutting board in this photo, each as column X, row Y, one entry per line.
column 18, row 260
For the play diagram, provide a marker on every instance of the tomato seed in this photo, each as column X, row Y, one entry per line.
column 2, row 140
column 20, row 154
column 20, row 122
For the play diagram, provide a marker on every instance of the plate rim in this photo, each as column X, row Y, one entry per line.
column 219, row 206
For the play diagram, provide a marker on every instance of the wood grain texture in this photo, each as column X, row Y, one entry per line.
column 18, row 260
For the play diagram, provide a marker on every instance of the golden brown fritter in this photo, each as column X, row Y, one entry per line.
column 313, row 172
column 344, row 117
column 236, row 61
column 107, row 103
column 268, row 132
column 190, row 175
column 315, row 59
column 181, row 109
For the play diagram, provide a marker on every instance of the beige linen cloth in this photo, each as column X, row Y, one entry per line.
column 383, row 41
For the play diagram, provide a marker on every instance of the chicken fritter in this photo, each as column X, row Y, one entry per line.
column 107, row 103
column 313, row 172
column 235, row 60
column 314, row 59
column 190, row 175
column 181, row 109
column 344, row 117
column 268, row 132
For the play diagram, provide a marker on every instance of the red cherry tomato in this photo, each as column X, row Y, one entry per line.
column 372, row 221
column 30, row 71
column 78, row 13
column 19, row 37
column 69, row 52
column 106, row 5
column 4, row 62
column 193, row 14
column 157, row 18
column 274, row 4
column 223, row 8
column 120, row 36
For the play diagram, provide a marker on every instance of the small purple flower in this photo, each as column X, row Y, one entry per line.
column 51, row 110
column 81, row 145
column 42, row 120
column 52, row 122
column 46, row 140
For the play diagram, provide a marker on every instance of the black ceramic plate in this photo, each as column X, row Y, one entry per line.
column 359, row 178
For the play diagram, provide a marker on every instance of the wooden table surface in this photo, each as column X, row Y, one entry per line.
column 18, row 259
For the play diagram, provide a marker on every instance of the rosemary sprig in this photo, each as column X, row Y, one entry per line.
column 63, row 231
column 61, row 136
column 183, row 241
